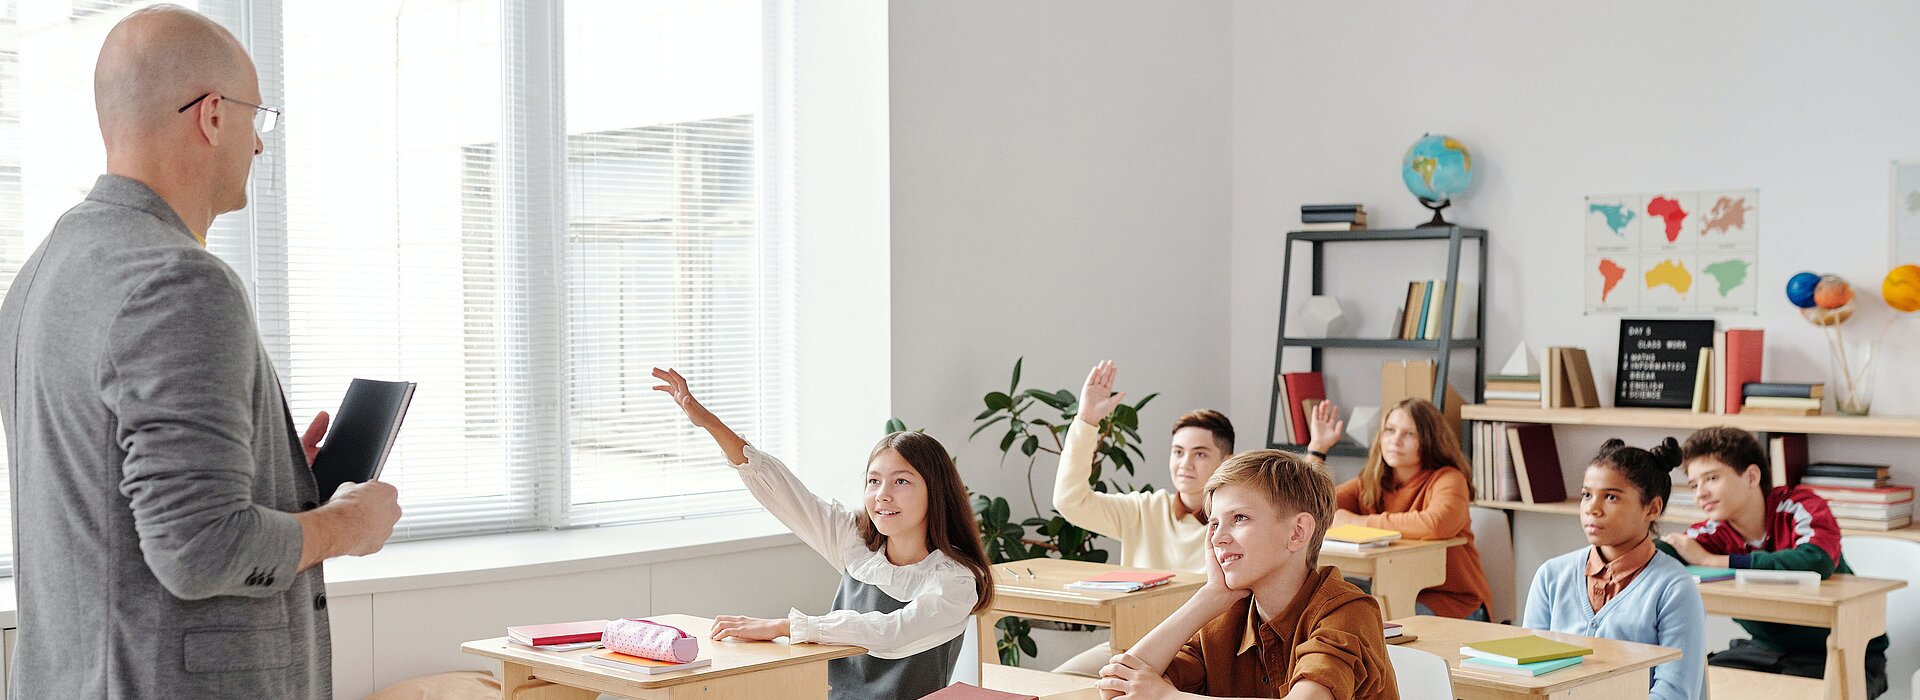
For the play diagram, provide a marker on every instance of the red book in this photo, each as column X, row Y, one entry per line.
column 962, row 691
column 1301, row 387
column 1787, row 453
column 1145, row 577
column 1745, row 348
column 1536, row 462
column 557, row 633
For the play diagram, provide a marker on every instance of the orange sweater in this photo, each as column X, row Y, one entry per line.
column 1432, row 507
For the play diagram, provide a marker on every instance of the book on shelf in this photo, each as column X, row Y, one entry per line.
column 1899, row 523
column 1435, row 303
column 1848, row 482
column 1871, row 511
column 1778, row 402
column 1536, row 463
column 1528, row 649
column 1529, row 670
column 1333, row 226
column 1512, row 403
column 1282, row 413
column 1787, row 458
column 641, row 664
column 1718, row 382
column 1528, row 397
column 1302, row 387
column 1410, row 312
column 1848, row 494
column 1356, row 218
column 1709, row 574
column 1746, row 350
column 1783, row 390
column 1772, row 411
column 1850, row 470
column 1577, row 372
column 1343, row 206
column 1703, row 382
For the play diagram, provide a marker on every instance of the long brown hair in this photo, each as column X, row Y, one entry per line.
column 1439, row 449
column 950, row 525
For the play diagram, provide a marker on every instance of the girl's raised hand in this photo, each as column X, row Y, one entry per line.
column 1322, row 427
column 1096, row 396
column 676, row 387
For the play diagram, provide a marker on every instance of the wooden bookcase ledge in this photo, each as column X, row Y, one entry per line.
column 1680, row 419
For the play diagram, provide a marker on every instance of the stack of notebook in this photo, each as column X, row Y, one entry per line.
column 1357, row 538
column 639, row 664
column 1123, row 581
column 558, row 636
column 1523, row 656
column 1709, row 574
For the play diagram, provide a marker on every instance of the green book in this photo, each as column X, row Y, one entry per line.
column 1709, row 574
column 1523, row 650
column 1533, row 669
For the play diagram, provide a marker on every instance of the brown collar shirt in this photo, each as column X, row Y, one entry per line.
column 1329, row 634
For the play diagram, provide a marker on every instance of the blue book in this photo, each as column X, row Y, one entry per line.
column 1426, row 300
column 1709, row 574
column 1532, row 669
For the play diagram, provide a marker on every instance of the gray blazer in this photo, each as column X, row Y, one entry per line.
column 155, row 471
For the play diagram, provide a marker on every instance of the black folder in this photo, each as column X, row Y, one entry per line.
column 361, row 434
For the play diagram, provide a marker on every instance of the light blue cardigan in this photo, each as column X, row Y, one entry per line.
column 1660, row 606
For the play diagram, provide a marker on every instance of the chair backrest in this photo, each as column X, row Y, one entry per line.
column 966, row 669
column 1886, row 557
column 1420, row 675
column 1495, row 542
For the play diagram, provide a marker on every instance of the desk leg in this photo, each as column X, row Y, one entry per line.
column 517, row 682
column 1398, row 580
column 1624, row 686
column 1132, row 621
column 987, row 637
column 1856, row 623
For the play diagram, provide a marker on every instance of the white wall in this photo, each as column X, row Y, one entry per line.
column 1059, row 192
column 1558, row 101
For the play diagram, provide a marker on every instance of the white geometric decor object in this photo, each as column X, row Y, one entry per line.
column 1321, row 317
column 1520, row 363
column 1362, row 424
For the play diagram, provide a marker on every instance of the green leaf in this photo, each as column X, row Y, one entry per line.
column 998, row 401
column 999, row 511
column 1012, row 531
column 984, row 426
column 983, row 414
column 1032, row 444
column 1006, row 443
column 1015, row 386
column 895, row 425
column 1048, row 398
column 1028, row 647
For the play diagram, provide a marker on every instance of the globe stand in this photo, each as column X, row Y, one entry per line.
column 1437, row 221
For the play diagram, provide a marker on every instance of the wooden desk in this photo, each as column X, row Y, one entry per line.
column 739, row 670
column 1083, row 694
column 1026, row 681
column 1044, row 596
column 1399, row 570
column 1615, row 669
column 1853, row 607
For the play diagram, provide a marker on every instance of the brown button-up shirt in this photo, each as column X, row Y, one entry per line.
column 1331, row 634
column 1605, row 579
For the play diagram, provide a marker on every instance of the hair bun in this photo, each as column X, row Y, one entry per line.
column 1668, row 452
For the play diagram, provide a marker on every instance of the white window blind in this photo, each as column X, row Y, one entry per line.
column 523, row 206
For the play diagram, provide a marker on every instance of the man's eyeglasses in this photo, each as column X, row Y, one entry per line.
column 264, row 118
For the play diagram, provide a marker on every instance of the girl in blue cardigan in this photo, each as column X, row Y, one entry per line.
column 1621, row 587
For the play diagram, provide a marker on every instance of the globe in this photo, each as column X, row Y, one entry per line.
column 1436, row 169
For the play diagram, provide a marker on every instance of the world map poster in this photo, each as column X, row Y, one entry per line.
column 1673, row 253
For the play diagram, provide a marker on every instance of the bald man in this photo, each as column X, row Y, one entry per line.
column 167, row 535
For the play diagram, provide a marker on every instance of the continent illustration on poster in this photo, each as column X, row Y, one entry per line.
column 1681, row 252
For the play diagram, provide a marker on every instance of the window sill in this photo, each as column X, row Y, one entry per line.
column 459, row 561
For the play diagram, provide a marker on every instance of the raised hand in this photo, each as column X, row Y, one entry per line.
column 1323, row 429
column 676, row 387
column 1096, row 396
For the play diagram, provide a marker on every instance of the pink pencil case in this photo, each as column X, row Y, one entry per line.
column 650, row 640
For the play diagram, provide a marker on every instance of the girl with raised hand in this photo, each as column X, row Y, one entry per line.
column 911, row 562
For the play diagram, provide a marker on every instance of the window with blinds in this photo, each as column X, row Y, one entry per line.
column 523, row 206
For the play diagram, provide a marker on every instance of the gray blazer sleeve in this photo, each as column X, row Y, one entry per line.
column 180, row 376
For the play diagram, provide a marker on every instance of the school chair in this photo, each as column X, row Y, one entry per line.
column 1886, row 557
column 1495, row 542
column 1420, row 675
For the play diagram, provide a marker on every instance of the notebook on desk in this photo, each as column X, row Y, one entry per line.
column 1122, row 581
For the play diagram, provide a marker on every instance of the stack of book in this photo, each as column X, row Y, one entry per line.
column 1516, row 390
column 1493, row 475
column 1860, row 496
column 1392, row 630
column 1357, row 538
column 1779, row 399
column 1709, row 574
column 558, row 636
column 1299, row 392
column 642, row 665
column 1523, row 656
column 1123, row 581
column 1333, row 217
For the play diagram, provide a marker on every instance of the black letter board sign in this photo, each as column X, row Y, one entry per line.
column 1659, row 362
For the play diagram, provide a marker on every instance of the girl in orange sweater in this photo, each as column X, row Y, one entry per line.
column 1414, row 482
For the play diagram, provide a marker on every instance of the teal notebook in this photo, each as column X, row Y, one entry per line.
column 1709, row 574
column 1532, row 669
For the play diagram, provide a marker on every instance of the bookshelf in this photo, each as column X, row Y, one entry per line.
column 1439, row 349
column 1682, row 419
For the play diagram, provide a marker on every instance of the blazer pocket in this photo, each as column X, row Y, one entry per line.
column 220, row 650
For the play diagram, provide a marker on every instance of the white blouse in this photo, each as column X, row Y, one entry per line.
column 938, row 591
